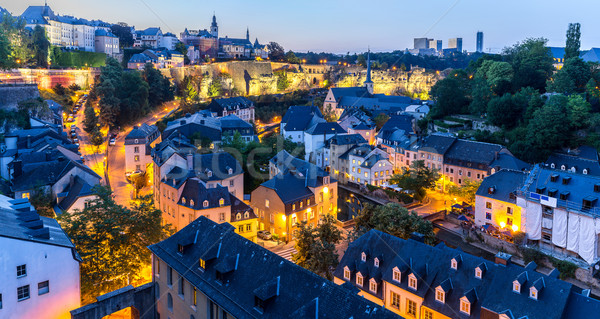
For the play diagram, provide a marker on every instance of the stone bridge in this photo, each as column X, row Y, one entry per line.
column 141, row 299
column 441, row 215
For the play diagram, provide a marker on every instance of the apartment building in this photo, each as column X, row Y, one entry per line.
column 138, row 146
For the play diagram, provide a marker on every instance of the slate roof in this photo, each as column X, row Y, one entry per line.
column 194, row 189
column 209, row 127
column 361, row 91
column 557, row 52
column 438, row 144
column 29, row 226
column 508, row 161
column 580, row 306
column 36, row 14
column 593, row 55
column 234, row 122
column 579, row 187
column 493, row 291
column 286, row 163
column 290, row 187
column 46, row 172
column 395, row 123
column 301, row 117
column 36, row 134
column 142, row 132
column 503, row 183
column 346, row 139
column 325, row 128
column 473, row 152
column 291, row 291
column 80, row 188
column 218, row 164
column 238, row 206
column 230, row 104
column 104, row 33
column 588, row 160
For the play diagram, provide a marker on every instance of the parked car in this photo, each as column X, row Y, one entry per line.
column 70, row 119
column 76, row 141
column 263, row 234
column 112, row 142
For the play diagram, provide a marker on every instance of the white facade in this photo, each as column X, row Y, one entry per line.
column 312, row 143
column 136, row 158
column 295, row 136
column 375, row 174
column 43, row 262
column 168, row 41
column 107, row 44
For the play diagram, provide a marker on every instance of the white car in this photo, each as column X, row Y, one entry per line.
column 112, row 142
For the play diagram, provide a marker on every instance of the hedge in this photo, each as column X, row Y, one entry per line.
column 80, row 59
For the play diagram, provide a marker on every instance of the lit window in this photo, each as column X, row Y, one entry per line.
column 465, row 306
column 440, row 295
column 395, row 300
column 363, row 257
column 397, row 275
column 202, row 263
column 516, row 287
column 427, row 314
column 221, row 202
column 346, row 273
column 195, row 297
column 533, row 293
column 412, row 282
column 373, row 286
column 453, row 264
column 266, row 203
column 183, row 200
column 221, row 217
column 205, row 203
column 488, row 205
column 376, row 262
column 411, row 308
column 359, row 280
column 477, row 273
column 25, row 195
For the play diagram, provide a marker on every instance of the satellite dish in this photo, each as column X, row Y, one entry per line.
column 597, row 267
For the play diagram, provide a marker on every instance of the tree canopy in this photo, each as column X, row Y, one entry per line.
column 418, row 178
column 315, row 246
column 112, row 240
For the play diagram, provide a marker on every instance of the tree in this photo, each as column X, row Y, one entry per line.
column 41, row 46
column 417, row 178
column 549, row 129
column 96, row 138
column 380, row 120
column 579, row 111
column 215, row 89
column 90, row 122
column 573, row 43
column 112, row 240
column 36, row 107
column 482, row 94
column 290, row 57
column 182, row 48
column 19, row 39
column 160, row 89
column 500, row 76
column 282, row 80
column 315, row 246
column 466, row 190
column 276, row 52
column 59, row 89
column 451, row 94
column 123, row 32
column 5, row 52
column 393, row 219
column 42, row 200
column 532, row 64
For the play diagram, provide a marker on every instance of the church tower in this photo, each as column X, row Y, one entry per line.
column 248, row 34
column 368, row 82
column 214, row 29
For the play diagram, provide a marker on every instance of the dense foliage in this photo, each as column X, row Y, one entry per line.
column 125, row 96
column 267, row 107
column 315, row 246
column 393, row 219
column 417, row 179
column 112, row 240
column 508, row 91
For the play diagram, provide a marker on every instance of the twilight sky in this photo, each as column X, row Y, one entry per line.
column 340, row 26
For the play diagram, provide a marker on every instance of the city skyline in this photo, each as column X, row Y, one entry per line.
column 328, row 27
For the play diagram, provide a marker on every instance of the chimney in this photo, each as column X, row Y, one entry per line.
column 28, row 141
column 417, row 237
column 71, row 181
column 502, row 258
column 17, row 168
column 190, row 161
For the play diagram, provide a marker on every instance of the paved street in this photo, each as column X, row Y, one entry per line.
column 122, row 190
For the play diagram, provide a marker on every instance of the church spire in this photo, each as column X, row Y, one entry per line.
column 247, row 33
column 368, row 82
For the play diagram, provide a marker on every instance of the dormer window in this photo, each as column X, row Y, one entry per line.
column 552, row 166
column 202, row 263
column 397, row 275
column 205, row 203
column 183, row 200
column 478, row 273
column 516, row 287
column 440, row 295
column 363, row 257
column 453, row 264
column 412, row 281
column 465, row 306
column 533, row 293
column 221, row 202
column 376, row 262
column 373, row 286
column 209, row 173
column 238, row 216
column 562, row 168
column 246, row 215
column 585, row 171
column 359, row 280
column 230, row 171
column 191, row 202
column 346, row 273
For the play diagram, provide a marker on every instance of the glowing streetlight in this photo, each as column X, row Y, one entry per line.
column 502, row 224
column 515, row 227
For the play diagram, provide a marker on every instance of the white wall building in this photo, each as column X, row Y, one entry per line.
column 138, row 144
column 39, row 266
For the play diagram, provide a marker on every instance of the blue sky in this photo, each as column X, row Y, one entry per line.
column 349, row 25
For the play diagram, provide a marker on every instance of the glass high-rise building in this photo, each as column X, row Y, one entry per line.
column 479, row 41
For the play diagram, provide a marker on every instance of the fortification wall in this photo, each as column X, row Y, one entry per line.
column 11, row 95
